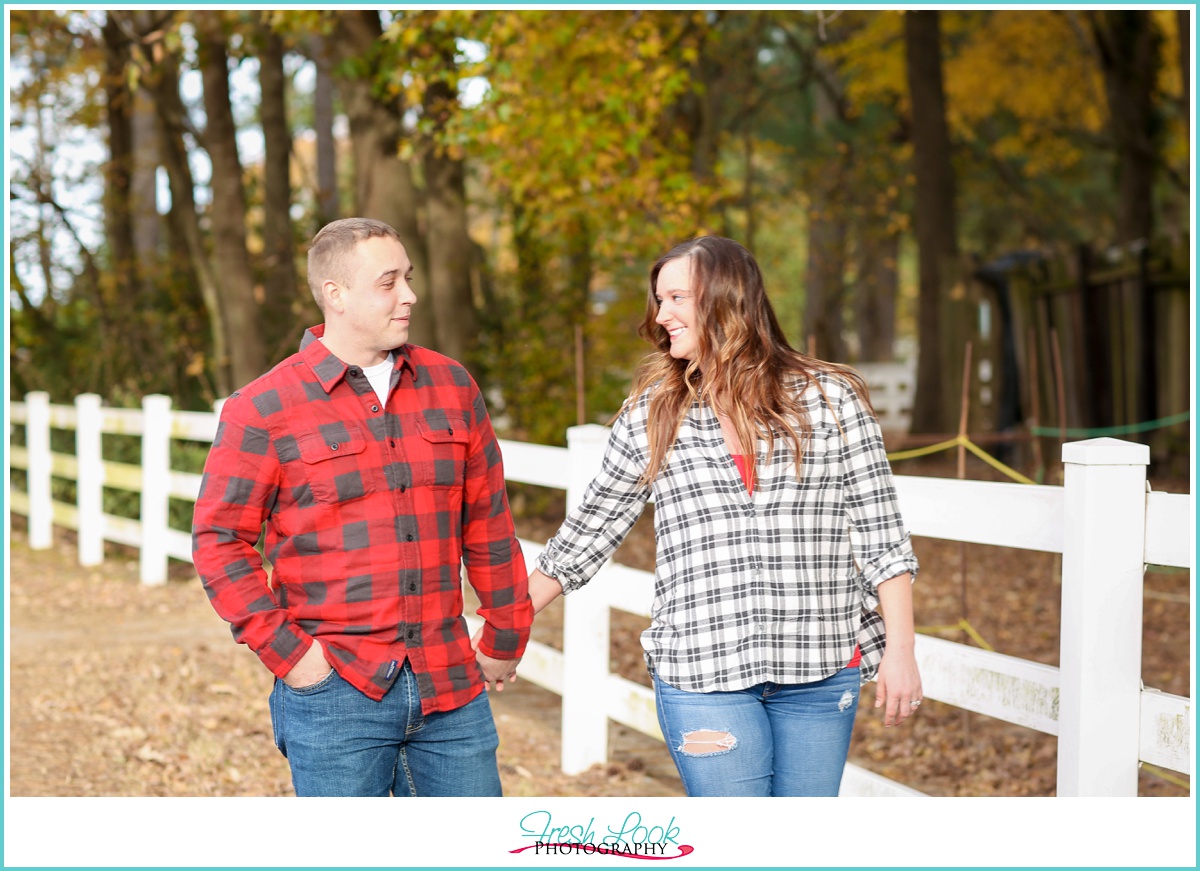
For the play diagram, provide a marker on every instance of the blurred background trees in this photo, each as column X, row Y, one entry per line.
column 169, row 167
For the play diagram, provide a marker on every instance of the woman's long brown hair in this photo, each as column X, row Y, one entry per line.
column 744, row 366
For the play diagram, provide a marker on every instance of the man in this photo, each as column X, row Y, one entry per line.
column 374, row 466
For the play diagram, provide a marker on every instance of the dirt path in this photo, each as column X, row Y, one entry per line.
column 122, row 690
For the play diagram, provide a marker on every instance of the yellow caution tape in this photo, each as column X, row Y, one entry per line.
column 994, row 463
column 1167, row 776
column 963, row 625
column 978, row 639
column 921, row 452
column 970, row 446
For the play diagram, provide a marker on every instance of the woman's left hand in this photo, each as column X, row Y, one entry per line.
column 898, row 686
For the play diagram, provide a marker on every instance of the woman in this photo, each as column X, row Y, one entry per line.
column 777, row 535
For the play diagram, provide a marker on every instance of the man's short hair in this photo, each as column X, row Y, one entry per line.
column 329, row 254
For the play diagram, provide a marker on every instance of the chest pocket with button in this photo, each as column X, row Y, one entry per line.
column 338, row 468
column 446, row 445
column 822, row 460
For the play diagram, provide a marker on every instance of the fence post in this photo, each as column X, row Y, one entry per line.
column 585, row 629
column 89, row 485
column 1100, row 661
column 37, row 442
column 156, row 474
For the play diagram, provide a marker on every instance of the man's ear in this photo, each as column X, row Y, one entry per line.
column 332, row 292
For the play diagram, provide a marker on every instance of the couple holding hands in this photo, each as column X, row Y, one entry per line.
column 781, row 555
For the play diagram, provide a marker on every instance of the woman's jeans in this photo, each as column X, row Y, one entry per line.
column 770, row 739
column 341, row 743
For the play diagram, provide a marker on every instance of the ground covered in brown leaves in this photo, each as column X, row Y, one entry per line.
column 119, row 690
column 122, row 690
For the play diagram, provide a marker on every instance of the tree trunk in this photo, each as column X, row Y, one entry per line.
column 535, row 318
column 247, row 359
column 939, row 375
column 384, row 187
column 449, row 245
column 118, row 220
column 704, row 117
column 120, row 287
column 327, row 187
column 748, row 187
column 162, row 80
column 281, row 305
column 45, row 194
column 824, row 284
column 1129, row 46
column 696, row 112
column 147, row 223
column 876, row 292
column 580, row 269
column 449, row 255
column 1129, row 49
column 1183, row 27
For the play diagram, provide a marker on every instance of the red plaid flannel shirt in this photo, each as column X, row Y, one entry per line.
column 371, row 512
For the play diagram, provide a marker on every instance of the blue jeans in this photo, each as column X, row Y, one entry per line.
column 338, row 742
column 770, row 739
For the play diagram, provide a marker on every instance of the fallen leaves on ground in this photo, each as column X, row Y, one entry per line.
column 118, row 689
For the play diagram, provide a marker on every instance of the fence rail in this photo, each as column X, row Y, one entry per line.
column 1102, row 520
column 891, row 386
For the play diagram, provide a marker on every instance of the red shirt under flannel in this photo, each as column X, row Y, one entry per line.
column 371, row 512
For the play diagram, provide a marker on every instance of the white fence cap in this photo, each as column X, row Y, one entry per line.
column 1106, row 452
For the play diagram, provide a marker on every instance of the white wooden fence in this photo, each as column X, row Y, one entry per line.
column 1103, row 520
column 892, row 386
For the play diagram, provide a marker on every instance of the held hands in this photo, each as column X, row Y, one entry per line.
column 495, row 671
column 543, row 590
column 898, row 686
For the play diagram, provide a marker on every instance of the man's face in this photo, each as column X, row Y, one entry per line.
column 377, row 300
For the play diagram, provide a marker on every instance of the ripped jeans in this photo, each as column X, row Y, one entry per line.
column 769, row 739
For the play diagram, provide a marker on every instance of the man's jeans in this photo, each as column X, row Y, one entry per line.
column 770, row 739
column 341, row 743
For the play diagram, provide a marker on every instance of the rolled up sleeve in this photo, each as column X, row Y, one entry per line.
column 880, row 541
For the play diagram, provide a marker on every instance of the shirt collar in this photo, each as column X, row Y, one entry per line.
column 330, row 369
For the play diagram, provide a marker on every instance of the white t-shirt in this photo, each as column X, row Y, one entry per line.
column 380, row 376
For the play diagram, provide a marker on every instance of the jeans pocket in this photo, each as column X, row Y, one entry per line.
column 323, row 683
column 275, row 702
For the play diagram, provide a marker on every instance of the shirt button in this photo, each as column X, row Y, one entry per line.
column 334, row 446
column 412, row 587
column 374, row 408
column 408, row 537
column 410, row 633
column 354, row 370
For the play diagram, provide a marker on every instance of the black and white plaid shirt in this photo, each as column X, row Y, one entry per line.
column 776, row 586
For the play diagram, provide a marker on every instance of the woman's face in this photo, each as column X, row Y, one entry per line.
column 677, row 307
